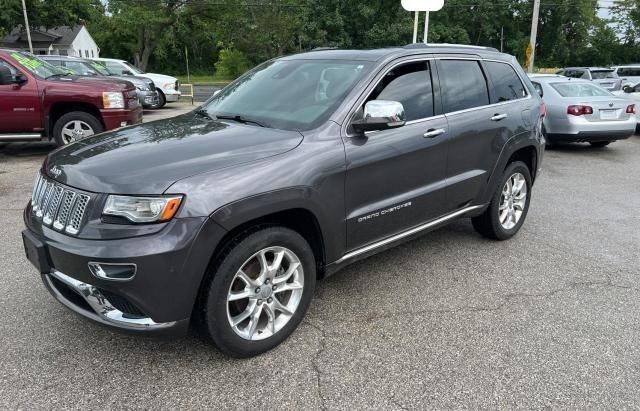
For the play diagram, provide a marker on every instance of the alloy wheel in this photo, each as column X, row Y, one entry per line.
column 513, row 201
column 265, row 293
column 75, row 130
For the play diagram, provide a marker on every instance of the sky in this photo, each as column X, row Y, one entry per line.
column 604, row 12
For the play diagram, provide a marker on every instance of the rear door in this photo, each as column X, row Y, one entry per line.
column 482, row 110
column 395, row 178
column 20, row 110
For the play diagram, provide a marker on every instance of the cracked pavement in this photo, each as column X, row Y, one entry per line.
column 550, row 318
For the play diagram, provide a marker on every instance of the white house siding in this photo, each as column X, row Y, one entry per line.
column 84, row 45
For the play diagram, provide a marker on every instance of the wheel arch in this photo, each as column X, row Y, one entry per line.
column 59, row 109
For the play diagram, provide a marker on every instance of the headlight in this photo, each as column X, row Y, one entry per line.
column 169, row 86
column 143, row 209
column 112, row 99
column 143, row 88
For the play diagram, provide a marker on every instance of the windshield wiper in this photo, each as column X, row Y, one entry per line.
column 58, row 75
column 240, row 119
column 203, row 113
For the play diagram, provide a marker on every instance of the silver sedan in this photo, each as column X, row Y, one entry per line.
column 581, row 111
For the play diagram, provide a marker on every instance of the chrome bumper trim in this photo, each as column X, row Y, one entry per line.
column 104, row 310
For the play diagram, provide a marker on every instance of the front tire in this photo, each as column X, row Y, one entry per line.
column 258, row 291
column 509, row 206
column 74, row 126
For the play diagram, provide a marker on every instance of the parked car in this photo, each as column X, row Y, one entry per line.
column 581, row 111
column 604, row 77
column 632, row 93
column 147, row 94
column 629, row 74
column 39, row 101
column 168, row 87
column 300, row 167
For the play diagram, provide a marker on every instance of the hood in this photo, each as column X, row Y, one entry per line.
column 148, row 158
column 93, row 82
column 160, row 80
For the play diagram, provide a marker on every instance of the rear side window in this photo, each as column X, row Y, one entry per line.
column 506, row 84
column 409, row 84
column 463, row 85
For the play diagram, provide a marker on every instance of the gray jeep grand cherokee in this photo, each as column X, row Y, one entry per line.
column 228, row 215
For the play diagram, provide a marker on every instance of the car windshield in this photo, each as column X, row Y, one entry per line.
column 289, row 94
column 133, row 68
column 37, row 66
column 602, row 74
column 579, row 90
column 98, row 68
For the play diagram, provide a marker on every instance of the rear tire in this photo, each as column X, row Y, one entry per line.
column 74, row 126
column 492, row 223
column 249, row 280
column 600, row 144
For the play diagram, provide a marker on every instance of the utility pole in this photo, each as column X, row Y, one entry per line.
column 426, row 26
column 26, row 26
column 531, row 50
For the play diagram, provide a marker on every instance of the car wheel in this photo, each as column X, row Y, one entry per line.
column 600, row 144
column 74, row 126
column 258, row 291
column 509, row 206
column 161, row 100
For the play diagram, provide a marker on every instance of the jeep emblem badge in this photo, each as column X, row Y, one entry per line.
column 55, row 171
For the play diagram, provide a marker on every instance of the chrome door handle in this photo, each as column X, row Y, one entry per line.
column 434, row 133
column 498, row 117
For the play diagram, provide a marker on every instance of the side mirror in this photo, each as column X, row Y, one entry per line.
column 5, row 75
column 380, row 115
column 215, row 93
column 627, row 89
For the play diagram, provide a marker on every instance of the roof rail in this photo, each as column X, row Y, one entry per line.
column 324, row 48
column 462, row 46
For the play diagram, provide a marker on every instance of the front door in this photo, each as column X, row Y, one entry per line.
column 395, row 178
column 20, row 110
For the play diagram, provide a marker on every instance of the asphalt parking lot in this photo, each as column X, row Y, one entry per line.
column 451, row 320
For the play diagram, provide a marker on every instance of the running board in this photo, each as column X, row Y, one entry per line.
column 20, row 137
column 407, row 233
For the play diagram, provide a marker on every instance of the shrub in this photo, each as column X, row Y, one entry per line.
column 231, row 63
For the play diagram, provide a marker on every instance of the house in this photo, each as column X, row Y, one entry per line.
column 64, row 40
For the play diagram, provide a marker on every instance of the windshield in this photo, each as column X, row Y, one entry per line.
column 580, row 90
column 602, row 74
column 35, row 65
column 290, row 94
column 133, row 68
column 98, row 68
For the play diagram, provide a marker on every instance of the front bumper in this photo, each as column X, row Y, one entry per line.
column 148, row 98
column 170, row 266
column 171, row 95
column 115, row 118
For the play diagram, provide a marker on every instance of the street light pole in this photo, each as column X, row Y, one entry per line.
column 426, row 26
column 415, row 28
column 534, row 33
column 26, row 25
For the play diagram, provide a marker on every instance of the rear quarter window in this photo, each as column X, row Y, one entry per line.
column 463, row 85
column 505, row 83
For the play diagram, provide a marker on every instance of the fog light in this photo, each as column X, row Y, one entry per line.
column 124, row 123
column 115, row 272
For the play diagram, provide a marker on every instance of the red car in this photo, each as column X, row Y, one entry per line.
column 40, row 101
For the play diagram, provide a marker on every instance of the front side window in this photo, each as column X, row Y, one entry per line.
column 410, row 85
column 463, row 85
column 12, row 69
column 289, row 94
column 579, row 90
column 506, row 85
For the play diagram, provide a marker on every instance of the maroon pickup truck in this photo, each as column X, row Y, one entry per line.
column 40, row 101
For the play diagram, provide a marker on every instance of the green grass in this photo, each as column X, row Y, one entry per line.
column 203, row 79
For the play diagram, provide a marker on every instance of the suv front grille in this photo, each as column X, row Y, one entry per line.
column 58, row 206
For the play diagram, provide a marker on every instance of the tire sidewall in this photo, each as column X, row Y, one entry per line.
column 216, row 320
column 501, row 232
column 75, row 115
